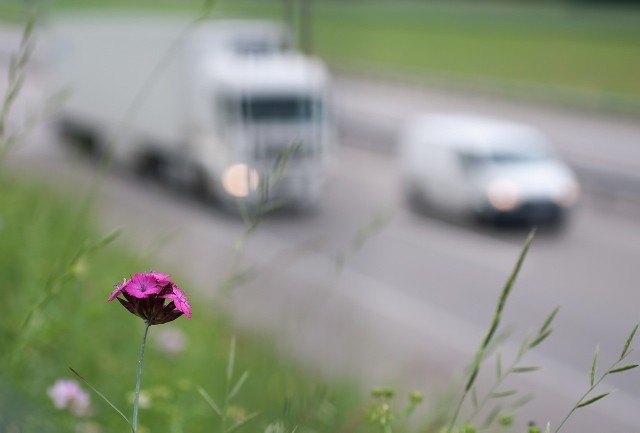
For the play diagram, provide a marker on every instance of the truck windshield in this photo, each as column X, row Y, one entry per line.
column 279, row 108
column 254, row 47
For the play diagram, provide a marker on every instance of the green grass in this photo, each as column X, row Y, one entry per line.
column 75, row 327
column 579, row 48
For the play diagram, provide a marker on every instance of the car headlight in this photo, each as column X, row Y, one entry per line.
column 239, row 180
column 567, row 196
column 503, row 194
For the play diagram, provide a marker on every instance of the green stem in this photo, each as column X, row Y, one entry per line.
column 591, row 388
column 134, row 420
column 456, row 413
column 494, row 388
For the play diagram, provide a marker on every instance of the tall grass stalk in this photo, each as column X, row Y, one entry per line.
column 231, row 391
column 593, row 383
column 497, row 317
column 17, row 75
column 527, row 343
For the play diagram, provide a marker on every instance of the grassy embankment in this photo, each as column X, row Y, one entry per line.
column 584, row 55
column 72, row 325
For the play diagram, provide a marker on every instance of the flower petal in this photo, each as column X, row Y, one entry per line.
column 179, row 298
column 142, row 286
column 116, row 292
column 128, row 305
column 168, row 314
column 161, row 279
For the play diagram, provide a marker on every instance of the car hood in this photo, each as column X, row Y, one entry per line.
column 533, row 181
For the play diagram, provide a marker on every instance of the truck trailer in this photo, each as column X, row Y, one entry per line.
column 228, row 108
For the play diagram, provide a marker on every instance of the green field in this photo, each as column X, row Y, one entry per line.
column 573, row 49
column 591, row 52
column 72, row 325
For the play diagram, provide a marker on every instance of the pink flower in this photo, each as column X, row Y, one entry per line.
column 145, row 296
column 180, row 300
column 67, row 394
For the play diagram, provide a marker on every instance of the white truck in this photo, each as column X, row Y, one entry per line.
column 215, row 105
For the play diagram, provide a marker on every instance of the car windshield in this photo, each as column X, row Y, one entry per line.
column 473, row 161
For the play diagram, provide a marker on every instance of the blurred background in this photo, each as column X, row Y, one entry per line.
column 345, row 185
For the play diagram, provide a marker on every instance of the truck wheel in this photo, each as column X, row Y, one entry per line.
column 200, row 185
column 150, row 165
column 414, row 197
column 80, row 136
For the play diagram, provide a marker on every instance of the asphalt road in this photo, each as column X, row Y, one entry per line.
column 410, row 307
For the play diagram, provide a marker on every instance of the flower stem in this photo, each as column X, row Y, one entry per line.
column 134, row 420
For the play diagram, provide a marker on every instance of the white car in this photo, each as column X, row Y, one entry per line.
column 488, row 168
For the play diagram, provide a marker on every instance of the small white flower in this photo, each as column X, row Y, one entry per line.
column 67, row 394
column 171, row 341
column 144, row 399
column 88, row 427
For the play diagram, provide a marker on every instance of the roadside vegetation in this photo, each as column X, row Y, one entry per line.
column 57, row 272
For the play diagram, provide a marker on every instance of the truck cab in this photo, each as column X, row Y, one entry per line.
column 265, row 134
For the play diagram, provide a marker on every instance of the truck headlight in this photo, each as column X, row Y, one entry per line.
column 239, row 180
column 503, row 194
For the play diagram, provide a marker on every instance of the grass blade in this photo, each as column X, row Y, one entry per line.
column 491, row 417
column 210, row 401
column 507, row 289
column 621, row 369
column 524, row 345
column 526, row 369
column 232, row 360
column 242, row 422
column 521, row 401
column 474, row 397
column 102, row 396
column 594, row 365
column 106, row 239
column 625, row 349
column 547, row 322
column 503, row 394
column 238, row 385
column 592, row 400
column 540, row 338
